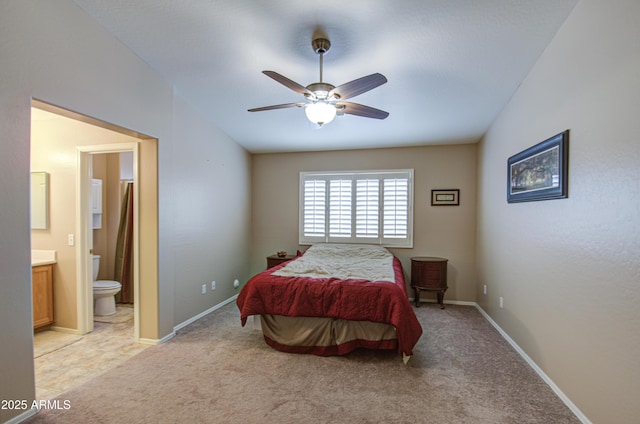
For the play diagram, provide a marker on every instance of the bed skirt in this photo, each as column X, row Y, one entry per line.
column 325, row 336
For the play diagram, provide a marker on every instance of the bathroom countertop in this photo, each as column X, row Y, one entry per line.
column 40, row 262
column 43, row 257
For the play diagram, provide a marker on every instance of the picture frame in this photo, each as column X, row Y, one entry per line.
column 540, row 172
column 448, row 197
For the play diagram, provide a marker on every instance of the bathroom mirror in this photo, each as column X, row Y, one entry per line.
column 39, row 200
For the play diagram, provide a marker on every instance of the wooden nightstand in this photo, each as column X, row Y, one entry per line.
column 275, row 260
column 430, row 274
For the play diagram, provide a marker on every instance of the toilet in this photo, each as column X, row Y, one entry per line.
column 104, row 302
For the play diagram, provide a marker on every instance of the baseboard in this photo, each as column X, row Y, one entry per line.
column 23, row 417
column 536, row 368
column 140, row 340
column 185, row 323
column 205, row 313
column 66, row 330
column 446, row 302
column 154, row 342
column 458, row 302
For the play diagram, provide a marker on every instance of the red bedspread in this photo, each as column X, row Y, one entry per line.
column 359, row 300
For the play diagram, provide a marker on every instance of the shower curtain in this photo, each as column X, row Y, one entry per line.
column 124, row 246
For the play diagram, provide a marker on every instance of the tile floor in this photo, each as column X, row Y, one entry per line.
column 64, row 361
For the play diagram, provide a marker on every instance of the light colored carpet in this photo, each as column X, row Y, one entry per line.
column 215, row 371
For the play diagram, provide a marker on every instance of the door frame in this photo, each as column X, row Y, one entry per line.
column 84, row 230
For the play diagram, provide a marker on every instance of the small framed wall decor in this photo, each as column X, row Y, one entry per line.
column 450, row 197
column 540, row 172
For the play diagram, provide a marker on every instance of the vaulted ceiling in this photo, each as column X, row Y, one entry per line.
column 451, row 65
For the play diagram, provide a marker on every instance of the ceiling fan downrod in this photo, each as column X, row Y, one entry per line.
column 321, row 46
column 320, row 88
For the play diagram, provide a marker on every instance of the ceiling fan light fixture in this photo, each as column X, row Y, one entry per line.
column 320, row 113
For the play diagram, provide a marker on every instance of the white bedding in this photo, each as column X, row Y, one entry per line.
column 344, row 261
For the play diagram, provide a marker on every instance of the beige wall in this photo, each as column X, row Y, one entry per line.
column 211, row 192
column 568, row 269
column 54, row 52
column 438, row 231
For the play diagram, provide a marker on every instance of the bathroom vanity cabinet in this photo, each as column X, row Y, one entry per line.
column 42, row 280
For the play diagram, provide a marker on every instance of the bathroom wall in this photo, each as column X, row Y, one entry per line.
column 53, row 149
column 106, row 167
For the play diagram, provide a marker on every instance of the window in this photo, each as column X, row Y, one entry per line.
column 373, row 207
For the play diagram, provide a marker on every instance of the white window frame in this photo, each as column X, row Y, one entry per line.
column 323, row 235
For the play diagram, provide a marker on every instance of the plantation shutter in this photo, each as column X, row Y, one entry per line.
column 396, row 208
column 340, row 208
column 374, row 207
column 367, row 208
column 314, row 195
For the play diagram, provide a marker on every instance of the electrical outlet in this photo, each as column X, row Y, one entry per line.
column 236, row 283
column 204, row 288
column 484, row 289
column 213, row 285
column 501, row 302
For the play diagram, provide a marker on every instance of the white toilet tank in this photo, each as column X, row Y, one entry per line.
column 96, row 266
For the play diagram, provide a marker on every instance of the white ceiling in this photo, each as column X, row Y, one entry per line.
column 451, row 65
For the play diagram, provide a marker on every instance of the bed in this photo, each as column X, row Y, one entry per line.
column 333, row 299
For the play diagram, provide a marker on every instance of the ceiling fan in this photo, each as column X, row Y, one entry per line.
column 324, row 100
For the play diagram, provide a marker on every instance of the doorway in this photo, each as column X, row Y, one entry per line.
column 86, row 225
column 67, row 158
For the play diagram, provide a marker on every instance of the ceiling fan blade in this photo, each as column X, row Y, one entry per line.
column 282, row 106
column 361, row 110
column 289, row 83
column 358, row 86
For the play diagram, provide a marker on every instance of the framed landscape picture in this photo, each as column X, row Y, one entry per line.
column 540, row 172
